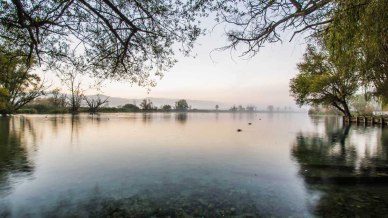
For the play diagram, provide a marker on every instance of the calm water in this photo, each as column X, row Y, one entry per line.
column 191, row 165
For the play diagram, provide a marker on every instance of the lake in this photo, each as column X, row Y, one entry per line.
column 191, row 165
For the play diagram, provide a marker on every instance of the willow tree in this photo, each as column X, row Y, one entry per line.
column 132, row 40
column 361, row 36
column 323, row 81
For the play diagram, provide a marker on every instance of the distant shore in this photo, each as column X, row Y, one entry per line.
column 117, row 110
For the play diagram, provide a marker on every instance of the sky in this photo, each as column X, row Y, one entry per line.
column 222, row 76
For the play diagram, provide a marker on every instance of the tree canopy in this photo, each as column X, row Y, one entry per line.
column 120, row 39
column 3, row 99
column 360, row 38
column 136, row 40
column 17, row 85
column 252, row 23
column 322, row 81
column 181, row 105
column 131, row 107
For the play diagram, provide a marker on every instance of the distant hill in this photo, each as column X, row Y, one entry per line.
column 195, row 104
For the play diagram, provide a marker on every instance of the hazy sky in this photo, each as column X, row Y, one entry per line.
column 224, row 76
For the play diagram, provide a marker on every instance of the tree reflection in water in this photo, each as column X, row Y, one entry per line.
column 17, row 140
column 181, row 117
column 347, row 166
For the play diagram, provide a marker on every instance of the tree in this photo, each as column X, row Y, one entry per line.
column 17, row 84
column 94, row 103
column 166, row 107
column 70, row 74
column 146, row 105
column 217, row 107
column 252, row 23
column 251, row 108
column 360, row 36
column 361, row 105
column 322, row 81
column 76, row 93
column 241, row 108
column 352, row 29
column 181, row 105
column 233, row 108
column 270, row 108
column 3, row 98
column 121, row 39
column 131, row 107
column 58, row 98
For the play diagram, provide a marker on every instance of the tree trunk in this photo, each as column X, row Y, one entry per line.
column 339, row 108
column 346, row 108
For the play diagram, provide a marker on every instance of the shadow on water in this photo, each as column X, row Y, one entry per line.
column 16, row 137
column 56, row 122
column 147, row 118
column 75, row 127
column 181, row 117
column 348, row 168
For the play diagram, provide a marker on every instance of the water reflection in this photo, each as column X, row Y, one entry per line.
column 17, row 140
column 181, row 117
column 348, row 165
column 147, row 117
column 204, row 169
column 150, row 165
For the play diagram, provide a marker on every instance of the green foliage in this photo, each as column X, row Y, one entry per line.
column 181, row 105
column 29, row 111
column 166, row 107
column 3, row 98
column 325, row 110
column 131, row 108
column 358, row 38
column 58, row 98
column 322, row 81
column 20, row 86
column 43, row 106
column 361, row 106
column 130, row 40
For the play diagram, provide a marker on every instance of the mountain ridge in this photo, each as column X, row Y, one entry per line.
column 158, row 102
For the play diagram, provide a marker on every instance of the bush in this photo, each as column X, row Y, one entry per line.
column 27, row 111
